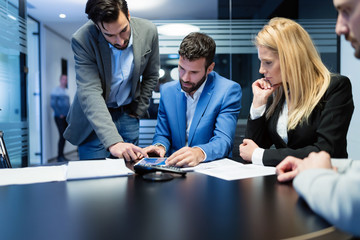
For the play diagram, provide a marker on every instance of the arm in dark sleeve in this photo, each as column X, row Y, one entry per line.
column 257, row 131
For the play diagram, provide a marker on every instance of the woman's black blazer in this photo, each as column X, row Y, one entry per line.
column 326, row 128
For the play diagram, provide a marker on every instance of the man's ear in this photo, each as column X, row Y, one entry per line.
column 97, row 26
column 210, row 68
column 128, row 15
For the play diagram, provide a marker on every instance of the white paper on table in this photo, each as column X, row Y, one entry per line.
column 209, row 165
column 231, row 170
column 28, row 175
column 97, row 168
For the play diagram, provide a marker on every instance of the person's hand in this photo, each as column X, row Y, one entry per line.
column 186, row 156
column 155, row 150
column 287, row 169
column 128, row 151
column 290, row 167
column 316, row 160
column 246, row 149
column 262, row 89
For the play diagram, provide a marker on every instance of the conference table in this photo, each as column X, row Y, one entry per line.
column 195, row 206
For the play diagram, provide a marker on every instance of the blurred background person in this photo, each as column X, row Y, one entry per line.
column 60, row 103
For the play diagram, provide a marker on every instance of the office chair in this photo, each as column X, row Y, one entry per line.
column 4, row 157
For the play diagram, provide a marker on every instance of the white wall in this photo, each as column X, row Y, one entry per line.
column 53, row 49
column 350, row 67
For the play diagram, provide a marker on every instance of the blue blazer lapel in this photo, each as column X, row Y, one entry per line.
column 181, row 114
column 201, row 107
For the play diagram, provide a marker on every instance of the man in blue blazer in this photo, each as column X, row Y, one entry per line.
column 198, row 114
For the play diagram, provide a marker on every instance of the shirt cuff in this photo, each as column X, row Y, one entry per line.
column 159, row 144
column 203, row 152
column 257, row 156
column 256, row 113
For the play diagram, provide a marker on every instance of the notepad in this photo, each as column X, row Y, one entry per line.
column 96, row 169
column 71, row 171
column 28, row 175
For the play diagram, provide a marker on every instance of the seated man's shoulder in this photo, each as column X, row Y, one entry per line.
column 226, row 83
column 168, row 86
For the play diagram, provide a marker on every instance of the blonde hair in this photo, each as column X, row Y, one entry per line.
column 303, row 73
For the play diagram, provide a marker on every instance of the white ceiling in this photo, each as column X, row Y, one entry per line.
column 47, row 12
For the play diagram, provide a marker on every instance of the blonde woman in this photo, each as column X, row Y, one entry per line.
column 298, row 106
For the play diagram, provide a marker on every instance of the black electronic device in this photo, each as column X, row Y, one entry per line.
column 157, row 176
column 149, row 168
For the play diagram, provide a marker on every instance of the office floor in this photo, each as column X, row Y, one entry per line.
column 72, row 156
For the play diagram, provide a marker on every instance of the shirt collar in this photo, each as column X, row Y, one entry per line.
column 197, row 93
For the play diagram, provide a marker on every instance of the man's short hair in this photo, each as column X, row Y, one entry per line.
column 198, row 45
column 100, row 11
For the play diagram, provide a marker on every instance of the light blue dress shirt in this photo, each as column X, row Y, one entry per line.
column 122, row 66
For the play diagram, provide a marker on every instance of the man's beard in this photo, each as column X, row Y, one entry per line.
column 124, row 46
column 355, row 44
column 194, row 86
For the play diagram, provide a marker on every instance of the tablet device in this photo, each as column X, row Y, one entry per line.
column 152, row 161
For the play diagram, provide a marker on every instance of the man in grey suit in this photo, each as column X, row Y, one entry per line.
column 117, row 67
column 332, row 193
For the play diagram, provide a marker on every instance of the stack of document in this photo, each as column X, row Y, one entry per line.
column 71, row 171
column 228, row 169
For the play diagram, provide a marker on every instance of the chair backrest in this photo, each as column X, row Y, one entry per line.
column 146, row 132
column 4, row 157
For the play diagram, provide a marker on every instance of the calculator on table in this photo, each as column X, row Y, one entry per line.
column 148, row 165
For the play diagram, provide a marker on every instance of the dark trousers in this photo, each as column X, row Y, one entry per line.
column 61, row 125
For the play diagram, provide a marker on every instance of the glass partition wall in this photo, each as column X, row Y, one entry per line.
column 233, row 29
column 13, row 114
column 232, row 23
column 236, row 56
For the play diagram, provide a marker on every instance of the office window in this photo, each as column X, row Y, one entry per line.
column 13, row 120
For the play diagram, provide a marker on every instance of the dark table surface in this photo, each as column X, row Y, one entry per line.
column 192, row 207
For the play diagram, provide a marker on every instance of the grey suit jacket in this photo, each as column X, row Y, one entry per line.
column 93, row 78
column 333, row 195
